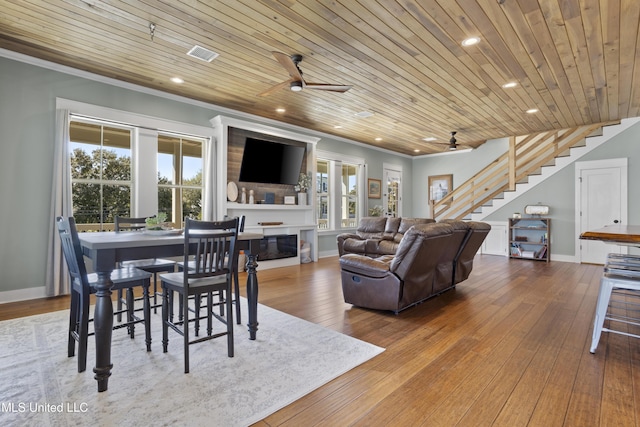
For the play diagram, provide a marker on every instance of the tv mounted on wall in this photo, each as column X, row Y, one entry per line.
column 270, row 162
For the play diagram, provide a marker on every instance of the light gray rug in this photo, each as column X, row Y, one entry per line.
column 40, row 385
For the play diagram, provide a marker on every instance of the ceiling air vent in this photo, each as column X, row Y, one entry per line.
column 202, row 53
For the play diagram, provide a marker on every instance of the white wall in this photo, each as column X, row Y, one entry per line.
column 28, row 95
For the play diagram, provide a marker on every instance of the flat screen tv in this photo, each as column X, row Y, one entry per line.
column 271, row 162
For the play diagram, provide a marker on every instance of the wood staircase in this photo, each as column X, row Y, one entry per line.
column 530, row 159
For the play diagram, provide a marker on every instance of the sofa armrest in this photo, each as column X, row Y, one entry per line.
column 340, row 239
column 344, row 236
column 360, row 264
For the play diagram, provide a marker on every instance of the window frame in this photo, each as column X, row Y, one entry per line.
column 145, row 129
column 101, row 181
column 334, row 191
column 179, row 186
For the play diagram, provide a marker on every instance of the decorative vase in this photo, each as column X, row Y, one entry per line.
column 302, row 198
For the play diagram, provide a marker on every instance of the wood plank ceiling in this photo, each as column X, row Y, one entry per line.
column 576, row 61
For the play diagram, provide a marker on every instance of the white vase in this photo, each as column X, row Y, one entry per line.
column 302, row 198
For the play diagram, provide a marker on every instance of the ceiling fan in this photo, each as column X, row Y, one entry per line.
column 296, row 83
column 452, row 144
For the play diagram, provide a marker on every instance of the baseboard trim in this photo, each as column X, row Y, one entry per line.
column 22, row 294
column 327, row 254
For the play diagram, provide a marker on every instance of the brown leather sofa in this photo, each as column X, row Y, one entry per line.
column 377, row 236
column 430, row 259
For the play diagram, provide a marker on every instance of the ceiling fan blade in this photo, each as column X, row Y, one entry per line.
column 451, row 146
column 289, row 65
column 276, row 88
column 326, row 86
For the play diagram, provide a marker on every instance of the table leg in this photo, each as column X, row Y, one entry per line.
column 252, row 295
column 103, row 325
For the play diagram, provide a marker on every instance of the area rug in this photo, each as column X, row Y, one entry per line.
column 40, row 385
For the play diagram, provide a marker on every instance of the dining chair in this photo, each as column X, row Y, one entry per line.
column 153, row 265
column 208, row 251
column 83, row 285
column 236, row 280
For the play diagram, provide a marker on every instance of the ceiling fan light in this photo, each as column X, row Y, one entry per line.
column 452, row 147
column 296, row 86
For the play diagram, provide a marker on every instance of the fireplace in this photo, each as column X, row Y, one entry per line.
column 277, row 247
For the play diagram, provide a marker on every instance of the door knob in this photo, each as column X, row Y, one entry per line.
column 615, row 221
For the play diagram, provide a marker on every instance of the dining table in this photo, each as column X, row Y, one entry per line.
column 107, row 249
column 620, row 234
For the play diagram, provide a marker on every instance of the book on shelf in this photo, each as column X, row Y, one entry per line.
column 542, row 253
column 528, row 254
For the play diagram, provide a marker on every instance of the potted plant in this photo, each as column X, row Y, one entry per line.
column 304, row 182
column 375, row 211
column 157, row 222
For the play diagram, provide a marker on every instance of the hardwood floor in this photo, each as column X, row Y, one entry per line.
column 507, row 347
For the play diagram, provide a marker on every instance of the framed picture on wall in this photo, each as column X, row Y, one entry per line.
column 375, row 188
column 439, row 187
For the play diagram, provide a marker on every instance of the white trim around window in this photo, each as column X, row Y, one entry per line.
column 336, row 160
column 146, row 128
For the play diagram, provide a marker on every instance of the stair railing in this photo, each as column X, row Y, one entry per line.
column 526, row 156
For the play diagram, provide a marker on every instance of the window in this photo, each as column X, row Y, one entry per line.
column 339, row 191
column 120, row 170
column 349, row 202
column 179, row 177
column 100, row 173
column 322, row 180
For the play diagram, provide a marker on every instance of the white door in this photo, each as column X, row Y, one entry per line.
column 602, row 190
column 392, row 193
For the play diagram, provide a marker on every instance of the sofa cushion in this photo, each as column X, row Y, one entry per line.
column 371, row 227
column 407, row 223
column 355, row 246
column 391, row 228
column 387, row 247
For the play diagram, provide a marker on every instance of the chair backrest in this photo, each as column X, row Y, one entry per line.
column 241, row 219
column 212, row 246
column 72, row 251
column 122, row 223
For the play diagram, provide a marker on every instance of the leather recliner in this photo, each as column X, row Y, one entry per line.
column 397, row 282
column 377, row 236
column 430, row 259
column 478, row 231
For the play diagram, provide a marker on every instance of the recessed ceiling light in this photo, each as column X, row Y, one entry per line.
column 532, row 110
column 416, row 151
column 280, row 110
column 471, row 41
column 177, row 80
column 378, row 139
column 509, row 85
column 337, row 127
column 429, row 138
